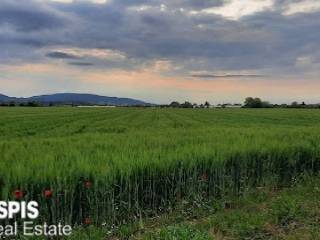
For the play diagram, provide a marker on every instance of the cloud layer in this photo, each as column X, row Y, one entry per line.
column 268, row 37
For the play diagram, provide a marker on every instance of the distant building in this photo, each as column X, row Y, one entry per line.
column 96, row 106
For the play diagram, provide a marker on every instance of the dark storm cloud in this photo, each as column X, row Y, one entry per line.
column 186, row 4
column 26, row 27
column 61, row 55
column 195, row 5
column 28, row 16
column 160, row 29
column 85, row 64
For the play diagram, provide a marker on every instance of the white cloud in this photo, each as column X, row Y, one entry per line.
column 306, row 6
column 235, row 9
column 143, row 7
column 140, row 8
column 304, row 61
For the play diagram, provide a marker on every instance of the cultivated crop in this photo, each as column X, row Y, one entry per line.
column 98, row 165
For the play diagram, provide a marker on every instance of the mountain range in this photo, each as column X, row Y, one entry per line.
column 74, row 99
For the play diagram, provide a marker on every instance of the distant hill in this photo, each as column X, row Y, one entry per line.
column 4, row 98
column 75, row 99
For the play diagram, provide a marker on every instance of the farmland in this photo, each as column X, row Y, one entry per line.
column 113, row 166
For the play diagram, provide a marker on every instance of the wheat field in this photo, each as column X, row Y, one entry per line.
column 109, row 166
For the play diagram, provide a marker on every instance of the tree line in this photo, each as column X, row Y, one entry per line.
column 186, row 104
column 23, row 104
column 250, row 102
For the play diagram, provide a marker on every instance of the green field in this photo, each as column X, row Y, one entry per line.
column 122, row 164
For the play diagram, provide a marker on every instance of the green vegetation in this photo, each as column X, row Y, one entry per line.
column 115, row 166
column 256, row 103
column 264, row 213
column 291, row 213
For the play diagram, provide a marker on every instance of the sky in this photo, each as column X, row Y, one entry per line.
column 159, row 51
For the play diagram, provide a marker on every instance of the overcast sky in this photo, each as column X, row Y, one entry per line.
column 162, row 50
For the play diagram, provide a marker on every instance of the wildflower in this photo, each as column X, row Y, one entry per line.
column 204, row 177
column 48, row 194
column 87, row 221
column 87, row 184
column 18, row 194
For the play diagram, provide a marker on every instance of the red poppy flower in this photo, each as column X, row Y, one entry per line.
column 18, row 194
column 87, row 184
column 47, row 194
column 87, row 221
column 204, row 177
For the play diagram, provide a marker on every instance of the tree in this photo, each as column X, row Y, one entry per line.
column 256, row 103
column 12, row 104
column 266, row 104
column 294, row 104
column 33, row 104
column 206, row 104
column 186, row 104
column 253, row 102
column 174, row 104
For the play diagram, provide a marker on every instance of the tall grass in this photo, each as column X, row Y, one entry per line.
column 115, row 165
